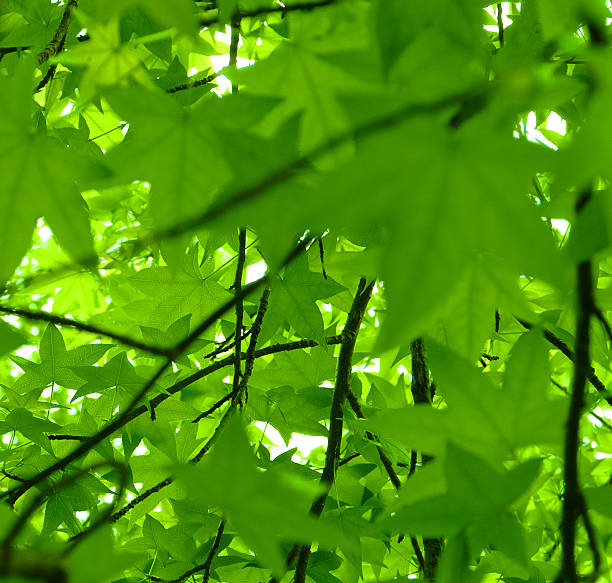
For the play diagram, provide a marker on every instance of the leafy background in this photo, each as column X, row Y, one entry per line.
column 305, row 292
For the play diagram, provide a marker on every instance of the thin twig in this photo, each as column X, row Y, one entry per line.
column 233, row 48
column 599, row 418
column 239, row 307
column 388, row 465
column 193, row 84
column 121, row 419
column 567, row 351
column 198, row 568
column 235, row 401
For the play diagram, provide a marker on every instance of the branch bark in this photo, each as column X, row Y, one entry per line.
column 343, row 379
column 422, row 394
column 573, row 500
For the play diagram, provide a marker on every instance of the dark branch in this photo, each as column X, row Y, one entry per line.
column 126, row 415
column 567, row 351
column 207, row 21
column 573, row 500
column 343, row 380
column 60, row 35
column 231, row 201
column 198, row 568
column 239, row 308
column 194, row 84
column 235, row 401
column 62, row 321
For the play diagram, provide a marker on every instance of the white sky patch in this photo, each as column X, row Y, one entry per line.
column 44, row 233
column 68, row 109
column 141, row 450
column 533, row 134
column 12, row 320
column 82, row 515
column 401, row 369
column 255, row 271
column 555, row 123
column 306, row 443
column 6, row 438
column 26, row 351
column 48, row 306
column 192, row 72
column 560, row 225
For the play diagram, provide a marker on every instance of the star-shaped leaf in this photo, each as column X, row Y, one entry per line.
column 118, row 372
column 293, row 300
column 479, row 417
column 39, row 178
column 264, row 507
column 475, row 492
column 56, row 362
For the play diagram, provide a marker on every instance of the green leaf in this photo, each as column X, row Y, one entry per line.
column 265, row 508
column 10, row 338
column 118, row 372
column 293, row 300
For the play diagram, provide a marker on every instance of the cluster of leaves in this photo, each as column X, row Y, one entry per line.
column 231, row 225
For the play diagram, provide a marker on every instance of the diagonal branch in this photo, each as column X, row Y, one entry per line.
column 62, row 321
column 205, row 566
column 236, row 399
column 121, row 419
column 236, row 199
column 565, row 349
column 387, row 464
column 57, row 41
column 343, row 380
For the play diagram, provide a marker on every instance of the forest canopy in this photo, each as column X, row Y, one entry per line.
column 312, row 291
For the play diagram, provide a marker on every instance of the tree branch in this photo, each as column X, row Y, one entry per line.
column 194, row 84
column 60, row 35
column 422, row 394
column 62, row 321
column 203, row 567
column 386, row 462
column 573, row 500
column 235, row 401
column 343, row 380
column 125, row 415
column 567, row 351
column 6, row 548
column 231, row 201
column 207, row 21
column 239, row 308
